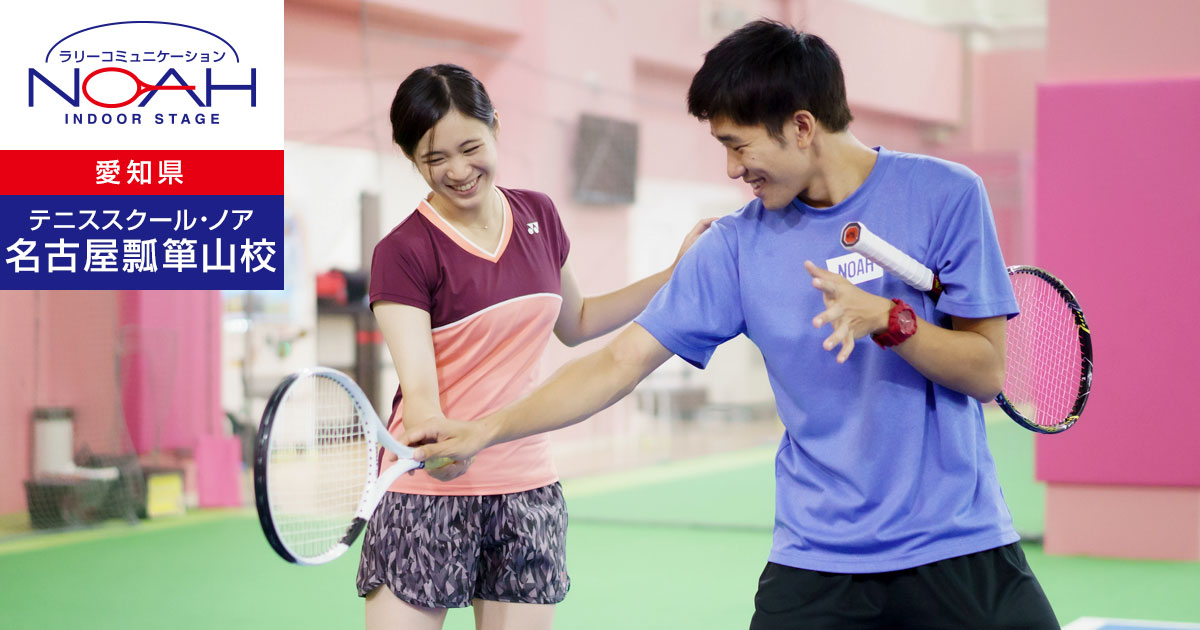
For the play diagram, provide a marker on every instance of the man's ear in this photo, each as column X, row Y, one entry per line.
column 806, row 127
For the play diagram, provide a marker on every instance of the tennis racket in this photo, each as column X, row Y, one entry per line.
column 316, row 465
column 1048, row 359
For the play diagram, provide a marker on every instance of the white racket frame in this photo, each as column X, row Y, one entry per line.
column 374, row 485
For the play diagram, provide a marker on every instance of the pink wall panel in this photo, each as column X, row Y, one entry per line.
column 1117, row 39
column 1117, row 199
column 58, row 349
column 78, row 349
column 1004, row 99
column 1137, row 522
column 218, row 462
column 892, row 64
column 18, row 313
column 171, row 390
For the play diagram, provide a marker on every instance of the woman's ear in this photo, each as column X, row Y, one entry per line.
column 495, row 124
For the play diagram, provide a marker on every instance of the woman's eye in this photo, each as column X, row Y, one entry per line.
column 472, row 150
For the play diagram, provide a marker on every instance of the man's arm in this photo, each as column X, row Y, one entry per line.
column 967, row 359
column 574, row 393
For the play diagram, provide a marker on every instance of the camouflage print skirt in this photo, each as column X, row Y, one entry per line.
column 444, row 551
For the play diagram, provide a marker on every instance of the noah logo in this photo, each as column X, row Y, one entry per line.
column 854, row 268
column 532, row 227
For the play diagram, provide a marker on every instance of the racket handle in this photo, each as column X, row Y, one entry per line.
column 858, row 239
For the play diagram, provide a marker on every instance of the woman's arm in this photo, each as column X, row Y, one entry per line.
column 585, row 318
column 406, row 330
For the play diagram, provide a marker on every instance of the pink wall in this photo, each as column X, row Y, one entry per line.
column 61, row 349
column 58, row 349
column 672, row 144
column 1137, row 522
column 892, row 65
column 1124, row 90
column 18, row 312
column 1116, row 187
column 1116, row 39
column 1117, row 193
column 172, row 358
column 1004, row 99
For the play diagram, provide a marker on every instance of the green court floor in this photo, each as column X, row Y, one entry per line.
column 673, row 546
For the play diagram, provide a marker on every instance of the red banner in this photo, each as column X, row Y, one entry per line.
column 133, row 172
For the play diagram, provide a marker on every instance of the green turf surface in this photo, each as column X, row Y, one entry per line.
column 215, row 570
column 1012, row 448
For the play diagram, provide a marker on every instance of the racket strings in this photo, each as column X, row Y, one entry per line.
column 1043, row 353
column 317, row 466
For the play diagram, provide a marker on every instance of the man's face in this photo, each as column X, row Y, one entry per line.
column 777, row 171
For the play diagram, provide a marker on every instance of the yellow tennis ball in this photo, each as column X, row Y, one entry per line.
column 438, row 462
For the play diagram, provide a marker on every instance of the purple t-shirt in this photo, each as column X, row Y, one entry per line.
column 491, row 315
column 879, row 469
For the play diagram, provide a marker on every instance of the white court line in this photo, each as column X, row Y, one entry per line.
column 1098, row 623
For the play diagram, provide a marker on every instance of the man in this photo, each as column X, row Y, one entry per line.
column 888, row 510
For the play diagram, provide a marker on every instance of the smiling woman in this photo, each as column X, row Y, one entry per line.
column 467, row 291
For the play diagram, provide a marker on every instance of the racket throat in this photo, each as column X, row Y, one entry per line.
column 356, row 528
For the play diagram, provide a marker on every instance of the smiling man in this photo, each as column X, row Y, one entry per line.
column 888, row 510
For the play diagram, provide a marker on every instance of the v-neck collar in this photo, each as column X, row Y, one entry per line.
column 447, row 228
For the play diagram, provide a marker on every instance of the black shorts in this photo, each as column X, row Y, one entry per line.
column 988, row 590
column 444, row 551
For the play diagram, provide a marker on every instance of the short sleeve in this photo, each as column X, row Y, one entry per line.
column 700, row 307
column 402, row 270
column 561, row 242
column 966, row 253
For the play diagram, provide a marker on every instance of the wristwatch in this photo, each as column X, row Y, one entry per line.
column 902, row 324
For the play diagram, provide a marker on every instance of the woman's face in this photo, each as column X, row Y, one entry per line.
column 457, row 157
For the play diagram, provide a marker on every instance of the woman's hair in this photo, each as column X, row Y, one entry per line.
column 427, row 94
column 766, row 71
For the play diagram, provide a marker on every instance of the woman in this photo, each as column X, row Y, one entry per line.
column 467, row 290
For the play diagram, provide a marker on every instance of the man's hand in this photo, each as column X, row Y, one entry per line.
column 442, row 468
column 852, row 312
column 459, row 441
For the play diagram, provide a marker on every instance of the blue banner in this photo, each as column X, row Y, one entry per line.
column 141, row 242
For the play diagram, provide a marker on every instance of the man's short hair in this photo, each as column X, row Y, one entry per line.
column 766, row 71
